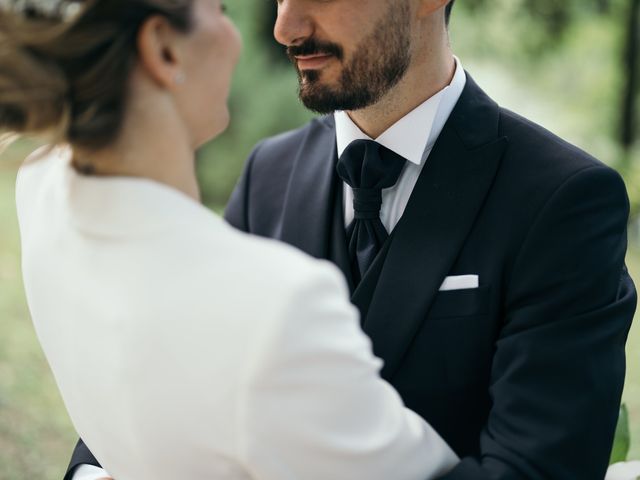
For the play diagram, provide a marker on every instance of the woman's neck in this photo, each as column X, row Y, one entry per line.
column 153, row 144
column 167, row 166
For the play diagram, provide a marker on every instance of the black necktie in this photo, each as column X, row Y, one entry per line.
column 367, row 167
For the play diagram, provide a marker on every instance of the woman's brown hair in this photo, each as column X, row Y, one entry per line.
column 64, row 65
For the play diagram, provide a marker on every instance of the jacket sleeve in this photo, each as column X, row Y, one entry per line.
column 315, row 407
column 559, row 363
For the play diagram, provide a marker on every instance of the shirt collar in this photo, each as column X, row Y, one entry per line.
column 413, row 136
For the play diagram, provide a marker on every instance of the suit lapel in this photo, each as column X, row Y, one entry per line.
column 426, row 242
column 309, row 203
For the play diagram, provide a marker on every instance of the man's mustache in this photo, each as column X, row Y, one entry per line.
column 314, row 47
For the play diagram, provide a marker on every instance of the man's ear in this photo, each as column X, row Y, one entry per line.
column 429, row 7
column 159, row 51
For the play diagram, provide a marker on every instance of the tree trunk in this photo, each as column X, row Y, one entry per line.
column 632, row 78
column 603, row 6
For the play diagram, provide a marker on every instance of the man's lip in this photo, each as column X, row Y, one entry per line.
column 312, row 62
column 310, row 57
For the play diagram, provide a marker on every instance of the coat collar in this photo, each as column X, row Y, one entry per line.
column 311, row 193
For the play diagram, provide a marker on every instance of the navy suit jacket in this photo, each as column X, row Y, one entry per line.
column 523, row 375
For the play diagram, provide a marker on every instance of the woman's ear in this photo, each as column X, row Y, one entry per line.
column 159, row 52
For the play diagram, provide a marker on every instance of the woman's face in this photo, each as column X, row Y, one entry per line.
column 211, row 53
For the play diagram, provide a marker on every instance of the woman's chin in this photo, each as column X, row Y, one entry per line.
column 219, row 127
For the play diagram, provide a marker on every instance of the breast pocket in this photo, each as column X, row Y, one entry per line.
column 460, row 303
column 454, row 346
column 458, row 332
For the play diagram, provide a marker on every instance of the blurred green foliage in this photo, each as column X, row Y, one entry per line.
column 622, row 440
column 35, row 432
column 560, row 63
column 263, row 102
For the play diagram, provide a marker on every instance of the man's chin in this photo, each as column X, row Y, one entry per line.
column 308, row 78
column 316, row 93
column 323, row 99
column 322, row 104
column 322, row 95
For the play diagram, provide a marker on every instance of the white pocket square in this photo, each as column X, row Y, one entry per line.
column 460, row 282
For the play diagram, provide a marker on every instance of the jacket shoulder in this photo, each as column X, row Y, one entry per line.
column 537, row 162
column 534, row 143
column 285, row 147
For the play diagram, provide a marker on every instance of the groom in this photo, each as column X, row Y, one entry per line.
column 485, row 254
column 490, row 278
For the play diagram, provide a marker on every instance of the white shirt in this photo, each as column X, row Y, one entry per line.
column 412, row 137
column 184, row 349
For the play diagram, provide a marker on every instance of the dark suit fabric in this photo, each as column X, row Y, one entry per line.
column 522, row 376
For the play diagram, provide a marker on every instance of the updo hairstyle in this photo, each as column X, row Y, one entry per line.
column 64, row 64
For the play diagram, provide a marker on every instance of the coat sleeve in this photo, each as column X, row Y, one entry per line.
column 559, row 363
column 315, row 407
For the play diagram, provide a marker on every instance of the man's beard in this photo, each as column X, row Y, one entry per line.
column 378, row 64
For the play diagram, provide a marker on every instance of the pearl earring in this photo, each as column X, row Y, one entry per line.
column 180, row 78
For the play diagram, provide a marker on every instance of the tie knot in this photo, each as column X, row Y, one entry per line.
column 367, row 167
column 366, row 164
column 367, row 203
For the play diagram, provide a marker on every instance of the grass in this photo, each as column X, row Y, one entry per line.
column 36, row 435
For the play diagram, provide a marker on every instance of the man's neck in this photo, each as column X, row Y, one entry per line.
column 417, row 86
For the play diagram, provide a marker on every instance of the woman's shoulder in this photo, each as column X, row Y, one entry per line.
column 263, row 261
column 37, row 171
column 43, row 161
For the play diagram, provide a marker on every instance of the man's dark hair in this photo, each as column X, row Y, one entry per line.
column 447, row 12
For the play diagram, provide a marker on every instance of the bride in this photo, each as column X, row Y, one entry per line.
column 182, row 348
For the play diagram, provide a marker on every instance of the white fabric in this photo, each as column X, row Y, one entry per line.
column 89, row 472
column 411, row 137
column 185, row 349
column 624, row 471
column 460, row 282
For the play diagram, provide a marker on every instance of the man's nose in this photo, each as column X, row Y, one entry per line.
column 294, row 24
